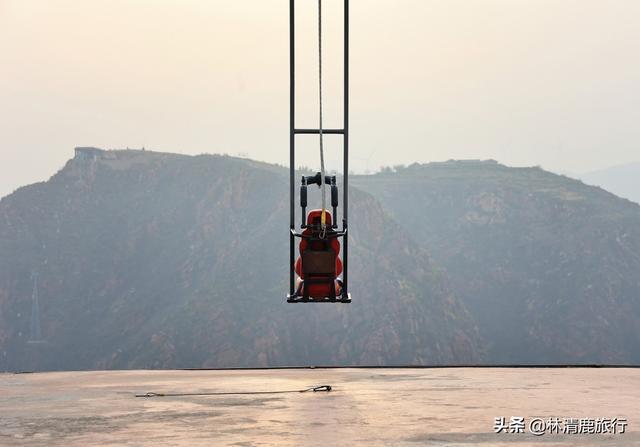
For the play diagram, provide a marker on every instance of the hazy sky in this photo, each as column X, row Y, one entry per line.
column 528, row 82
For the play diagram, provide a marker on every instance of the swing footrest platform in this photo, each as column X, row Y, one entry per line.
column 301, row 299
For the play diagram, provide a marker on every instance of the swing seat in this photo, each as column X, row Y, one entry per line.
column 319, row 265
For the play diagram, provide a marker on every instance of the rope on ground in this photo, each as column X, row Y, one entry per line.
column 315, row 389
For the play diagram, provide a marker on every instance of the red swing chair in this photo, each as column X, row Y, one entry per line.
column 318, row 267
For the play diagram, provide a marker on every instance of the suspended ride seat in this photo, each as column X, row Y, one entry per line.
column 319, row 265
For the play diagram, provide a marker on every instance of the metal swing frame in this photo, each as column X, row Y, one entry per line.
column 345, row 296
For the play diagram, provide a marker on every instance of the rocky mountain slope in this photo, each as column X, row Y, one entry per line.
column 147, row 260
column 548, row 267
column 144, row 259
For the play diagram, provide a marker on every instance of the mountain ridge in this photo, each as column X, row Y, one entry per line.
column 546, row 265
column 621, row 180
column 162, row 261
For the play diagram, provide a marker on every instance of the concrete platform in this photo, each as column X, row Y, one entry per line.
column 369, row 407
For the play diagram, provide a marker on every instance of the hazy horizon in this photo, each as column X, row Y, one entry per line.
column 550, row 83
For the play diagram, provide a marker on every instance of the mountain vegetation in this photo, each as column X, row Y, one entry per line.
column 135, row 259
column 548, row 267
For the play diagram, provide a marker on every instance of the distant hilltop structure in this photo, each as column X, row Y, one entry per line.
column 89, row 153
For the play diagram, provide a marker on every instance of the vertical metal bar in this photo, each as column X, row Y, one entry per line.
column 345, row 200
column 292, row 155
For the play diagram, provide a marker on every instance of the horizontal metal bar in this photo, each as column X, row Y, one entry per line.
column 317, row 131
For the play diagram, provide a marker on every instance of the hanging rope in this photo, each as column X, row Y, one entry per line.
column 323, row 217
column 315, row 389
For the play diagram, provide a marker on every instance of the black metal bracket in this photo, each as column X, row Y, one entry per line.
column 334, row 234
column 317, row 180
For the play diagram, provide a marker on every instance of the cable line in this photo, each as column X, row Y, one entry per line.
column 315, row 389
